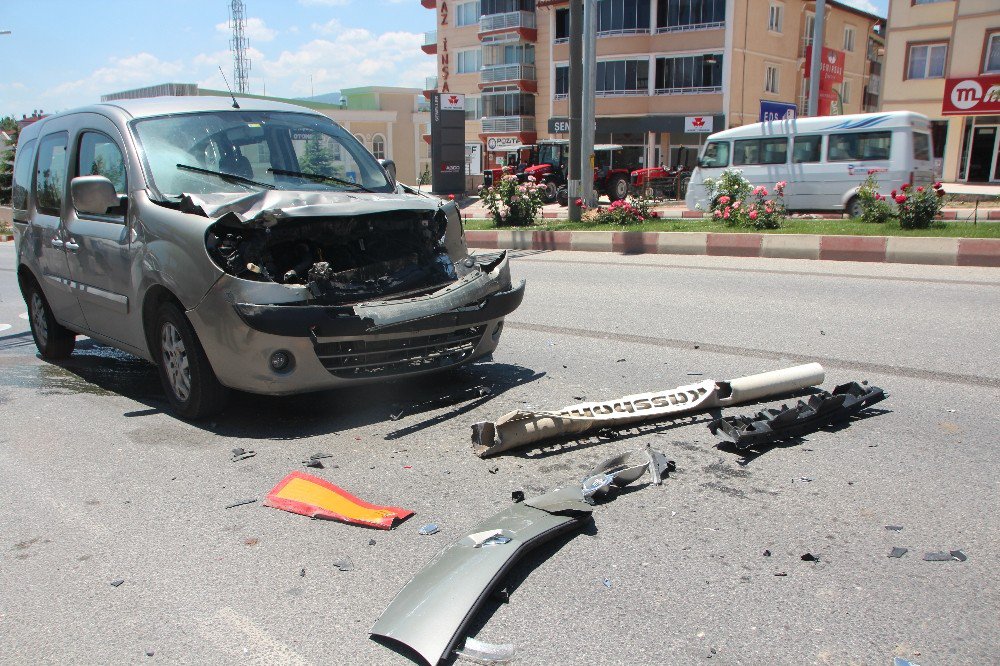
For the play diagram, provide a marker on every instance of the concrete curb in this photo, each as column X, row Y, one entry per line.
column 6, row 237
column 891, row 249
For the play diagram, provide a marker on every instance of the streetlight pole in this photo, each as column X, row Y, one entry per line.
column 819, row 30
column 575, row 104
column 588, row 119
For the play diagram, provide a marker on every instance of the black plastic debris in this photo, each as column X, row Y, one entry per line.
column 494, row 469
column 240, row 503
column 937, row 557
column 766, row 553
column 780, row 573
column 242, row 454
column 804, row 417
column 809, row 557
column 316, row 460
column 302, row 573
column 517, row 496
column 149, row 653
column 894, row 528
column 116, row 583
column 371, row 542
column 898, row 552
column 958, row 555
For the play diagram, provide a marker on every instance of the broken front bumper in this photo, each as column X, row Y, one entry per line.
column 338, row 345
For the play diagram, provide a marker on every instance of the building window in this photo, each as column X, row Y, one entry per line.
column 622, row 17
column 562, row 26
column 689, row 74
column 771, row 78
column 361, row 139
column 467, row 13
column 991, row 61
column 507, row 54
column 622, row 77
column 473, row 108
column 508, row 104
column 378, row 147
column 845, row 94
column 469, row 61
column 489, row 7
column 775, row 18
column 562, row 82
column 849, row 39
column 809, row 26
column 677, row 15
column 926, row 61
column 928, row 2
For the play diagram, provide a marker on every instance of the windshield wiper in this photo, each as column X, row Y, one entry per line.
column 227, row 176
column 319, row 176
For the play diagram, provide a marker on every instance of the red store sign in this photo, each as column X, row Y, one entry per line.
column 971, row 96
column 831, row 69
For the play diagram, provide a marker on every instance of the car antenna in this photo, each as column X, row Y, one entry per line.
column 235, row 104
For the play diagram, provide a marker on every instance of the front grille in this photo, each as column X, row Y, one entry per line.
column 398, row 356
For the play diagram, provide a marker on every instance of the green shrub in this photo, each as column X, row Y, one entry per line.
column 875, row 207
column 737, row 203
column 510, row 203
column 623, row 213
column 917, row 207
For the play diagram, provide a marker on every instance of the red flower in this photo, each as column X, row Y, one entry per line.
column 937, row 185
column 579, row 201
column 939, row 192
column 654, row 214
column 919, row 188
column 893, row 194
column 451, row 197
column 900, row 198
column 905, row 187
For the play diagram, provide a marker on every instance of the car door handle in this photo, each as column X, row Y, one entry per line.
column 70, row 245
column 57, row 243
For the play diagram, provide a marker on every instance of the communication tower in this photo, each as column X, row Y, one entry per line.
column 239, row 44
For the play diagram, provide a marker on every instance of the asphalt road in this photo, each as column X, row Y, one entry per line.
column 98, row 483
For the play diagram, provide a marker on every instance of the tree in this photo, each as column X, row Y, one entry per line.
column 316, row 158
column 10, row 127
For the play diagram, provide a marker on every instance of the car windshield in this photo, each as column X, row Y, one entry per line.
column 240, row 151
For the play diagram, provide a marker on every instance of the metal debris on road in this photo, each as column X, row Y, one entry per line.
column 241, row 503
column 344, row 565
column 804, row 417
column 766, row 553
column 607, row 583
column 937, row 557
column 898, row 552
column 116, row 583
column 780, row 573
column 242, row 454
column 371, row 542
column 894, row 528
column 486, row 653
column 521, row 428
column 428, row 529
column 958, row 555
column 316, row 460
column 809, row 557
column 311, row 496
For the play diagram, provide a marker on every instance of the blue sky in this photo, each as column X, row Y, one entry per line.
column 65, row 53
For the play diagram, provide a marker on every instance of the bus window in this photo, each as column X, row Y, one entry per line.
column 716, row 155
column 859, row 146
column 761, row 151
column 807, row 149
column 921, row 146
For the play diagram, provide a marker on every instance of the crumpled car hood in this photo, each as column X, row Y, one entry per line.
column 271, row 206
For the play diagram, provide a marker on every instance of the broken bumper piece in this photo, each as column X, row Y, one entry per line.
column 428, row 615
column 521, row 428
column 806, row 416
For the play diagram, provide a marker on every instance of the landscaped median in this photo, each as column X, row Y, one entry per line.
column 953, row 244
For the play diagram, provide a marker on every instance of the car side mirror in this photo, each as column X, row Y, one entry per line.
column 93, row 195
column 390, row 168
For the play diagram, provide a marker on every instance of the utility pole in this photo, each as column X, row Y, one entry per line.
column 588, row 118
column 819, row 31
column 575, row 104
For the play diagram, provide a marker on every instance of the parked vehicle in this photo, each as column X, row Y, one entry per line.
column 258, row 248
column 824, row 160
column 551, row 169
column 660, row 182
column 517, row 155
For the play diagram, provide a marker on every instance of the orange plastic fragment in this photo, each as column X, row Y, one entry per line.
column 310, row 496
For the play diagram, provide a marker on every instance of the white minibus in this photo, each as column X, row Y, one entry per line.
column 823, row 159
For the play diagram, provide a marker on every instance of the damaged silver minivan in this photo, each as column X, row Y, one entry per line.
column 258, row 248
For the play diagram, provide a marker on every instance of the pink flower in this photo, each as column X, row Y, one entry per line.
column 654, row 215
column 760, row 190
column 725, row 213
column 723, row 199
column 753, row 215
column 780, row 186
column 716, row 214
column 737, row 205
column 579, row 202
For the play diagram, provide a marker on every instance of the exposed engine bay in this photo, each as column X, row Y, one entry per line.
column 340, row 259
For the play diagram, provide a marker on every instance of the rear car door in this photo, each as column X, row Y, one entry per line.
column 98, row 247
column 48, row 237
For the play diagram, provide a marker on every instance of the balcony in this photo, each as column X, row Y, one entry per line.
column 666, row 29
column 430, row 46
column 523, row 76
column 522, row 23
column 508, row 124
column 430, row 86
column 429, row 4
column 700, row 90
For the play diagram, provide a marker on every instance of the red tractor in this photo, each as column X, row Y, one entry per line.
column 519, row 156
column 662, row 182
column 551, row 168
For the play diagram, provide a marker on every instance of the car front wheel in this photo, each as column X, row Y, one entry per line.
column 53, row 340
column 192, row 388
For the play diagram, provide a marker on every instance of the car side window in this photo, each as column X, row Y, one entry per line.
column 50, row 173
column 807, row 149
column 99, row 155
column 22, row 176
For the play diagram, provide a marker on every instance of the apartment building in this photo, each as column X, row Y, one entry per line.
column 389, row 121
column 660, row 62
column 943, row 60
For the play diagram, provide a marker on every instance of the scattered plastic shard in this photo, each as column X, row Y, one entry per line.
column 894, row 528
column 486, row 653
column 958, row 555
column 428, row 529
column 809, row 557
column 345, row 564
column 517, row 496
column 311, row 496
column 804, row 417
column 429, row 613
column 607, row 583
column 521, row 428
column 897, row 552
column 780, row 573
column 766, row 553
column 489, row 538
column 937, row 557
column 242, row 454
column 240, row 503
column 116, row 583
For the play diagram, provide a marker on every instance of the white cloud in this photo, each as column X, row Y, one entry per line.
column 130, row 71
column 331, row 27
column 325, row 3
column 254, row 28
column 864, row 5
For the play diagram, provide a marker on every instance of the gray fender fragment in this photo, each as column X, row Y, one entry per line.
column 429, row 613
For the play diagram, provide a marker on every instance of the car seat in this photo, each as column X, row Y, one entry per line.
column 237, row 164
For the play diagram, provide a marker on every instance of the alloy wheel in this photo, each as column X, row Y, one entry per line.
column 175, row 361
column 38, row 318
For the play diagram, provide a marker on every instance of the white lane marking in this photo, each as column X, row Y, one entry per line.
column 23, row 315
column 4, row 327
column 229, row 630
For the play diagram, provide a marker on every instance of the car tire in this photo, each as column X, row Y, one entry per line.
column 549, row 192
column 853, row 208
column 53, row 340
column 684, row 182
column 193, row 390
column 617, row 188
column 562, row 196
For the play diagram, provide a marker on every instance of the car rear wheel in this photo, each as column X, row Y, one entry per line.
column 192, row 388
column 854, row 208
column 53, row 340
column 617, row 188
